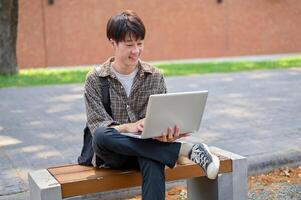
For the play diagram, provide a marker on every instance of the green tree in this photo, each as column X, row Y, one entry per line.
column 8, row 36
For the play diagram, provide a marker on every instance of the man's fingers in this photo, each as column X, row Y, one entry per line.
column 184, row 135
column 168, row 130
column 161, row 138
column 176, row 132
column 164, row 137
column 170, row 134
column 140, row 127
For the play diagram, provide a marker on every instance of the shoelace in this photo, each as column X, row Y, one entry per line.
column 199, row 156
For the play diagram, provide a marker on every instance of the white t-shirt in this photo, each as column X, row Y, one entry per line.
column 126, row 80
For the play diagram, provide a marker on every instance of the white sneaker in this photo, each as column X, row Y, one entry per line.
column 201, row 155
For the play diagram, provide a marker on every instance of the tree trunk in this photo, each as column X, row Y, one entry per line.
column 8, row 36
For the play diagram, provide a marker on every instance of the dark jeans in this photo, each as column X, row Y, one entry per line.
column 151, row 156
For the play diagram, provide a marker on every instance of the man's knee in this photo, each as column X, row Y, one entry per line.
column 101, row 136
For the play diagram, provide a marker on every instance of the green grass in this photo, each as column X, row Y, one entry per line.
column 34, row 77
column 176, row 69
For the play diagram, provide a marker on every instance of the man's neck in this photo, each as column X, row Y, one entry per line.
column 123, row 69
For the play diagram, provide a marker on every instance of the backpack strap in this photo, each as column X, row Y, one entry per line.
column 105, row 92
column 88, row 157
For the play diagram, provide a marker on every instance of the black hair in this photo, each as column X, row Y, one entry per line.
column 123, row 24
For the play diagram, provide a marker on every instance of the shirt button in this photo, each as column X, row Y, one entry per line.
column 127, row 106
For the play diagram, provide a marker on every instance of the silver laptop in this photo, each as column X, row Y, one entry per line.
column 184, row 109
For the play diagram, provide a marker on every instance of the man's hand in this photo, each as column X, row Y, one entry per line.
column 171, row 135
column 135, row 127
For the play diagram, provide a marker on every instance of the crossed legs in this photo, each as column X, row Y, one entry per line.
column 151, row 156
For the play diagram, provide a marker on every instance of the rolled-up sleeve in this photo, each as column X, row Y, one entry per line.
column 162, row 86
column 95, row 111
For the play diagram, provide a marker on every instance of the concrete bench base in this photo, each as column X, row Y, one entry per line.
column 43, row 186
column 72, row 180
column 227, row 186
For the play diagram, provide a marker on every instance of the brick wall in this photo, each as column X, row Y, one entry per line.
column 72, row 32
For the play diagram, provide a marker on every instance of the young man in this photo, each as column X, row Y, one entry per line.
column 131, row 82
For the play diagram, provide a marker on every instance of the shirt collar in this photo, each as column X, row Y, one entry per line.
column 104, row 70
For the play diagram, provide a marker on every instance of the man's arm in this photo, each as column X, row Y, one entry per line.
column 95, row 111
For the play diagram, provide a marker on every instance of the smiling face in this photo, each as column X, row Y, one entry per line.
column 128, row 52
column 126, row 33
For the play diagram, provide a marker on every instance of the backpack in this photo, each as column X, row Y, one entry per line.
column 87, row 152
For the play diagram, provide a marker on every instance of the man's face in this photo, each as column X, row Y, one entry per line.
column 128, row 52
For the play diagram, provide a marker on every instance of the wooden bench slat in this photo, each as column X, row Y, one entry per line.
column 88, row 175
column 74, row 168
column 65, row 169
column 78, row 169
column 76, row 172
column 79, row 180
column 100, row 185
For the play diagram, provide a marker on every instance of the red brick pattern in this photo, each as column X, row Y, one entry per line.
column 73, row 32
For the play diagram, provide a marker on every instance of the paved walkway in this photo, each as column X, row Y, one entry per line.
column 255, row 114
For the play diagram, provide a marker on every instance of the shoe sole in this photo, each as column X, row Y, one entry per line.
column 213, row 171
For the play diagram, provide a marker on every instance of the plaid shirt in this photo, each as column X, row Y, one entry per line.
column 147, row 81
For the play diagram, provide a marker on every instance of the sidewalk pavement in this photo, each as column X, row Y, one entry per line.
column 255, row 114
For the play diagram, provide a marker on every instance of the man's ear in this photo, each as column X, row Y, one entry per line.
column 113, row 43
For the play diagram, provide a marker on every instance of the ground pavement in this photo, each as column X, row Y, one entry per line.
column 255, row 114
